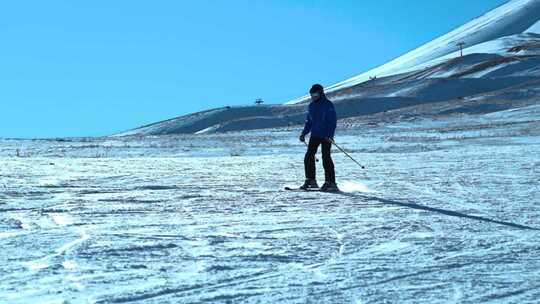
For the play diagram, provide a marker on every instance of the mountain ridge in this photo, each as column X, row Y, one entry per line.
column 504, row 52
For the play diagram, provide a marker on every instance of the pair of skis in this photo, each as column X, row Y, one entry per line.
column 310, row 190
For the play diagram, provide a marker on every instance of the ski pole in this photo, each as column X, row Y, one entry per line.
column 348, row 155
column 316, row 159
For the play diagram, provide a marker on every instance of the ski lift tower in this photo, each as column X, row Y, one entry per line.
column 461, row 44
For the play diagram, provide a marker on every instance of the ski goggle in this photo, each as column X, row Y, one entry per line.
column 316, row 94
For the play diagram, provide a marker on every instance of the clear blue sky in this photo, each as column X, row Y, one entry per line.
column 91, row 68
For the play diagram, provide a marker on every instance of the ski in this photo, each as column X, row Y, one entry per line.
column 310, row 190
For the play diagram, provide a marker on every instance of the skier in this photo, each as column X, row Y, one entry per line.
column 321, row 122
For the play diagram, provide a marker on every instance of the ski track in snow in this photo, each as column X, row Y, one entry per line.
column 450, row 218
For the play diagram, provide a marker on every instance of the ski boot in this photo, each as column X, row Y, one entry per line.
column 310, row 184
column 330, row 187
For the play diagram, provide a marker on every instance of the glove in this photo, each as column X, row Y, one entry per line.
column 329, row 140
column 302, row 138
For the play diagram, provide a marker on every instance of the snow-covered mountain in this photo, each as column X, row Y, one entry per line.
column 501, row 52
column 514, row 17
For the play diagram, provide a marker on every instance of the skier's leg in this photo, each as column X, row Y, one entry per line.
column 309, row 158
column 328, row 164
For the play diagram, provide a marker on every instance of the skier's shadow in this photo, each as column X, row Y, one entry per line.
column 445, row 212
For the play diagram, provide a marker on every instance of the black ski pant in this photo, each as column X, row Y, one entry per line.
column 328, row 164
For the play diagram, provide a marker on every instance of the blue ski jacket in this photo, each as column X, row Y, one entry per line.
column 321, row 119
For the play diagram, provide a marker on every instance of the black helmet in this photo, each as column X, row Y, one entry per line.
column 316, row 88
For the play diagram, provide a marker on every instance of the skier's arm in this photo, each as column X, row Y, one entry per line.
column 307, row 125
column 331, row 121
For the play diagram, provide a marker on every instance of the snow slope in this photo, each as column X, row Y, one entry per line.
column 446, row 212
column 200, row 122
column 534, row 29
column 508, row 46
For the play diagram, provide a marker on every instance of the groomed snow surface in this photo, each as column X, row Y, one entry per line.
column 446, row 212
